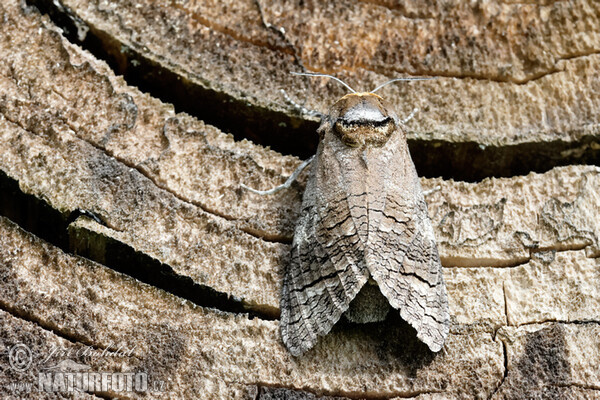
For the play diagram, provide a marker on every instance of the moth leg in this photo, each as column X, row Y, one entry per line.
column 286, row 184
column 410, row 116
column 432, row 190
column 301, row 109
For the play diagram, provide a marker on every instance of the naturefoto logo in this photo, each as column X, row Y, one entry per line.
column 70, row 376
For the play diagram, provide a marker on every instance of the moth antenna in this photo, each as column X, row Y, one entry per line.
column 301, row 109
column 326, row 76
column 400, row 79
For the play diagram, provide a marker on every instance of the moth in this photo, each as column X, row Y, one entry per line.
column 363, row 221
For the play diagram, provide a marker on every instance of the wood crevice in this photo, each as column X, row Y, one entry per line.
column 287, row 133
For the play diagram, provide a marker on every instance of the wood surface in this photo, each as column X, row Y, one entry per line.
column 127, row 128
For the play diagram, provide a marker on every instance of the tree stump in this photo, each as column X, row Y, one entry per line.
column 128, row 245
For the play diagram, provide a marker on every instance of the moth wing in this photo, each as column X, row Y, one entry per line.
column 402, row 253
column 327, row 267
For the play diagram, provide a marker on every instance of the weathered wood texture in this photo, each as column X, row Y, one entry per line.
column 520, row 254
column 518, row 88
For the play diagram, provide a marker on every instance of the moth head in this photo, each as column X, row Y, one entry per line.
column 360, row 119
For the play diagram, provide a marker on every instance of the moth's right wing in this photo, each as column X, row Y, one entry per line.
column 327, row 268
column 402, row 253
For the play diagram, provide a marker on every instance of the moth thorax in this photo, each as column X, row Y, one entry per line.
column 364, row 122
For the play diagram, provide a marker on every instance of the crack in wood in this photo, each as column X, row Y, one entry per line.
column 55, row 330
column 558, row 321
column 288, row 133
column 290, row 49
column 231, row 32
column 53, row 226
column 264, row 236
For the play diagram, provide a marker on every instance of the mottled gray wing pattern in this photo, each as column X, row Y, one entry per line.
column 401, row 253
column 327, row 267
column 363, row 214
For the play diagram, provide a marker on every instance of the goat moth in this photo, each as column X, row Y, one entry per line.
column 363, row 219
